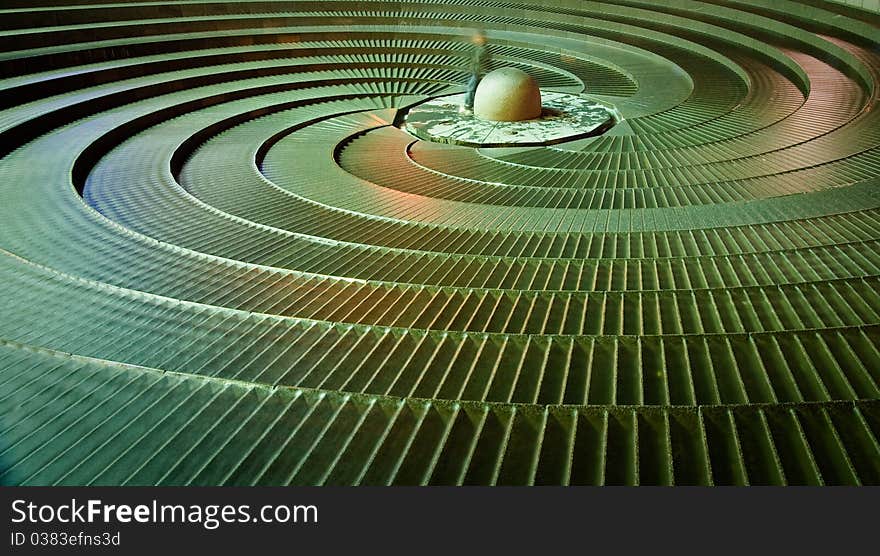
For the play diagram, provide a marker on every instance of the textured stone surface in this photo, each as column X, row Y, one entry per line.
column 222, row 263
column 507, row 95
column 564, row 117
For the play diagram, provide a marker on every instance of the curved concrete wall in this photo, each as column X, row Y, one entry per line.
column 870, row 5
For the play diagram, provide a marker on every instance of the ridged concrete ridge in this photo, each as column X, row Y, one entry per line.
column 222, row 263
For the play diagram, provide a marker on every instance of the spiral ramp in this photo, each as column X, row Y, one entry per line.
column 223, row 262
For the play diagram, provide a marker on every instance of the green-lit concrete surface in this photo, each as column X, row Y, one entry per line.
column 222, row 263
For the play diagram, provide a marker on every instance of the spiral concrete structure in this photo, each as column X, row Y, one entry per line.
column 221, row 262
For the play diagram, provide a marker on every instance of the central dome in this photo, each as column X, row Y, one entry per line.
column 507, row 95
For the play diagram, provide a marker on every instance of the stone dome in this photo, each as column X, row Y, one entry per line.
column 507, row 95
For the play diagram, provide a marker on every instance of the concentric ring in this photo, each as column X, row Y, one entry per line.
column 224, row 262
